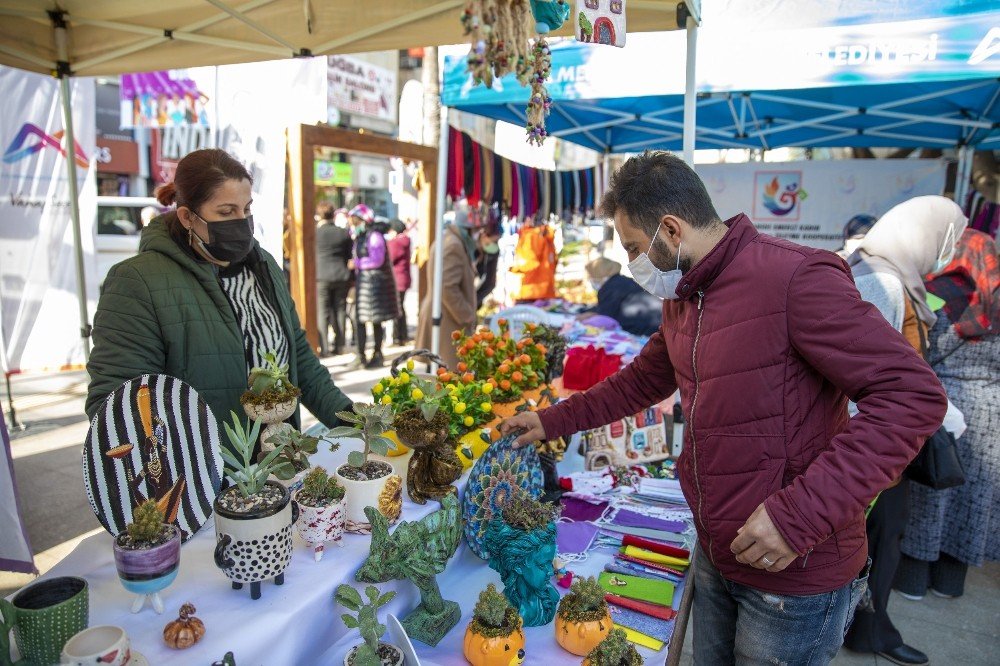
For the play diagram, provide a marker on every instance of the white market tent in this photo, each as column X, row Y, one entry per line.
column 108, row 37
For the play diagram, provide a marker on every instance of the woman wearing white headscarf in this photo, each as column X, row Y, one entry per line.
column 912, row 240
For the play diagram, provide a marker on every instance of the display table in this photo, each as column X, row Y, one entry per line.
column 298, row 622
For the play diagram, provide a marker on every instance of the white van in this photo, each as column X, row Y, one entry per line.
column 119, row 222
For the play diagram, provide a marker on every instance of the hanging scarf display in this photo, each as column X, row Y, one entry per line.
column 476, row 189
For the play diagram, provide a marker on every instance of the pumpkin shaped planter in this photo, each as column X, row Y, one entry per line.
column 583, row 619
column 615, row 650
column 494, row 637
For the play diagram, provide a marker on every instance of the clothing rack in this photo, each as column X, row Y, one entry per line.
column 480, row 175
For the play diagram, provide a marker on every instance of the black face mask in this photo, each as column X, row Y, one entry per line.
column 229, row 240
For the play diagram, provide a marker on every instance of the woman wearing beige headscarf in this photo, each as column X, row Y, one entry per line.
column 912, row 240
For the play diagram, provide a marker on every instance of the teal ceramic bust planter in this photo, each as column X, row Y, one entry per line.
column 524, row 561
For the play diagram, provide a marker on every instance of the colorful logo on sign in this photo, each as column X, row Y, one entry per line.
column 30, row 139
column 779, row 193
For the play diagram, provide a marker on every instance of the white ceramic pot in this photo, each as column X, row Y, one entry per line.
column 384, row 493
column 277, row 413
column 253, row 547
column 318, row 525
column 400, row 464
column 395, row 660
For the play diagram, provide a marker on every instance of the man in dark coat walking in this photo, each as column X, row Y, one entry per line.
column 333, row 279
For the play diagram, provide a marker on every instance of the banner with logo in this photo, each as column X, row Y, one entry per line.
column 809, row 202
column 356, row 86
column 38, row 291
column 732, row 58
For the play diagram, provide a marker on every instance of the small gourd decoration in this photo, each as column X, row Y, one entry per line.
column 185, row 631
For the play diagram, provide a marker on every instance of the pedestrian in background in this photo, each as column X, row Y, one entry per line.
column 487, row 259
column 458, row 288
column 399, row 254
column 952, row 529
column 334, row 249
column 913, row 239
column 375, row 297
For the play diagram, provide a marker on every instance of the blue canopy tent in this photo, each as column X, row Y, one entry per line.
column 944, row 114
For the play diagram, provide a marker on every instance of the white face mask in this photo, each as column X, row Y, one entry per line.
column 659, row 283
column 947, row 251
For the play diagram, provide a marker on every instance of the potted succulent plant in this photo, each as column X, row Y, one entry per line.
column 425, row 428
column 293, row 460
column 147, row 555
column 583, row 619
column 321, row 510
column 494, row 637
column 373, row 652
column 271, row 397
column 368, row 482
column 521, row 547
column 615, row 650
column 253, row 518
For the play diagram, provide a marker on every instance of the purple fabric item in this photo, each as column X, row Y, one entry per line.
column 602, row 321
column 575, row 537
column 578, row 509
column 626, row 518
column 376, row 252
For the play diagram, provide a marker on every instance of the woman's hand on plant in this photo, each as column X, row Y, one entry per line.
column 529, row 423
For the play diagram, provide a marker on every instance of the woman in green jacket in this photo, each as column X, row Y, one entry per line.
column 202, row 301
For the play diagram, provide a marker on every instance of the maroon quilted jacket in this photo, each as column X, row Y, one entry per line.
column 767, row 342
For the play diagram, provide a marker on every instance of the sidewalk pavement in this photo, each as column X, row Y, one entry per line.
column 47, row 463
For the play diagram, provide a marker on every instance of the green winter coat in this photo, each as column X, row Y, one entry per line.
column 162, row 311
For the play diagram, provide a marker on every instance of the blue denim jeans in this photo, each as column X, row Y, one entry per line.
column 736, row 624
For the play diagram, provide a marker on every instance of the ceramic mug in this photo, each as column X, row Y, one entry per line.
column 106, row 645
column 45, row 615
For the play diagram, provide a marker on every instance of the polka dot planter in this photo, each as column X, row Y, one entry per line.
column 256, row 546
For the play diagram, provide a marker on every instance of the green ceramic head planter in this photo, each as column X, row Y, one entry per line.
column 524, row 562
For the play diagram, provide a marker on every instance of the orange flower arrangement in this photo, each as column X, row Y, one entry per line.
column 509, row 366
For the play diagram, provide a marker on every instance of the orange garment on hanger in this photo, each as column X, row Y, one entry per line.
column 535, row 260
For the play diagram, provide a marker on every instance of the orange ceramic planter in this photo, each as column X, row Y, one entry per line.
column 502, row 651
column 581, row 638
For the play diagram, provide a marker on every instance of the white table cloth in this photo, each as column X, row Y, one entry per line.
column 298, row 622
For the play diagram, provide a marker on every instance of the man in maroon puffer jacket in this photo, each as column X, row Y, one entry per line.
column 767, row 341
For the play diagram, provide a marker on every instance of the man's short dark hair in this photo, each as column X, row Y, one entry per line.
column 658, row 183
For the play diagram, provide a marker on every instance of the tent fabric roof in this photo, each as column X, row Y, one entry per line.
column 926, row 115
column 109, row 37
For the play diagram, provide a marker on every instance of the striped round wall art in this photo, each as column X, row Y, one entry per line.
column 154, row 438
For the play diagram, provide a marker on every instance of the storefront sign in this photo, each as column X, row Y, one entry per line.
column 332, row 174
column 114, row 156
column 357, row 87
column 171, row 98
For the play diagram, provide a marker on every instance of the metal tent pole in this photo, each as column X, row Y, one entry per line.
column 690, row 99
column 64, row 73
column 442, row 190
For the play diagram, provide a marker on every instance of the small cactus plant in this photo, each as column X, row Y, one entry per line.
column 320, row 489
column 365, row 620
column 527, row 514
column 615, row 650
column 493, row 616
column 269, row 384
column 585, row 601
column 147, row 523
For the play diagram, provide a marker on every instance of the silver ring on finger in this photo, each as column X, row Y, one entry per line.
column 767, row 561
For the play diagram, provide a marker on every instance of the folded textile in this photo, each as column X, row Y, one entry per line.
column 634, row 587
column 642, row 639
column 630, row 569
column 627, row 518
column 661, row 548
column 650, row 565
column 656, row 558
column 644, row 607
column 653, row 627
